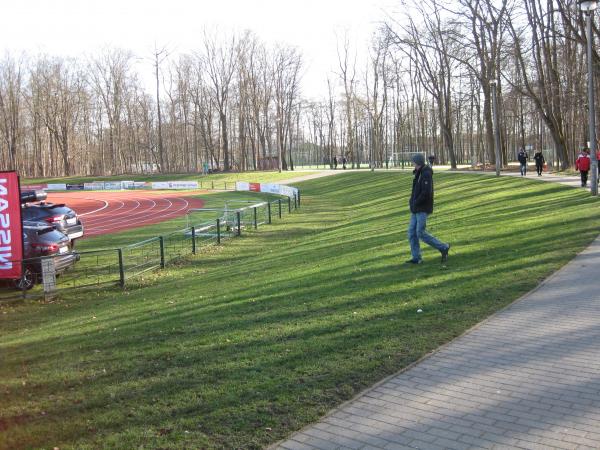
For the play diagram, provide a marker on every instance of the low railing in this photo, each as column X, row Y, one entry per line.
column 109, row 267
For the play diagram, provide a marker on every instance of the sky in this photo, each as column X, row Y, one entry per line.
column 84, row 27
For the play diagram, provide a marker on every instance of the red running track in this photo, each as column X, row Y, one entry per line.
column 111, row 212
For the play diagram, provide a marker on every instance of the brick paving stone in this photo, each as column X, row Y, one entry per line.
column 476, row 442
column 529, row 377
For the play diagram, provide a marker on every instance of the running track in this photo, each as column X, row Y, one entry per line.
column 111, row 212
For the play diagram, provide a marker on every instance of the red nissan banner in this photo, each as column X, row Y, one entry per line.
column 11, row 228
column 255, row 187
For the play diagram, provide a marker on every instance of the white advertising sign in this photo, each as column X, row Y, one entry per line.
column 242, row 186
column 95, row 186
column 57, row 187
column 270, row 188
column 288, row 191
column 175, row 185
column 113, row 185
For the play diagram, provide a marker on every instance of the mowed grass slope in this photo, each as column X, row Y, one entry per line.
column 250, row 341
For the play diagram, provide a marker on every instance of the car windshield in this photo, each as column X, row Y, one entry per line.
column 46, row 210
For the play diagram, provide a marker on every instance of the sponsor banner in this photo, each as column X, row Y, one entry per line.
column 242, row 186
column 95, row 186
column 34, row 187
column 135, row 185
column 126, row 184
column 270, row 188
column 280, row 189
column 57, row 187
column 75, row 187
column 175, row 185
column 11, row 232
column 113, row 185
column 288, row 191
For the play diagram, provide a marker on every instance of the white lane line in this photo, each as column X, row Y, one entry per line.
column 118, row 222
column 127, row 216
column 109, row 215
column 96, row 210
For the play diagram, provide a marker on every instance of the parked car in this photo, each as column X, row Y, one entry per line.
column 59, row 215
column 43, row 240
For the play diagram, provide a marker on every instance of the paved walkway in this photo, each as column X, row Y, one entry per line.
column 528, row 377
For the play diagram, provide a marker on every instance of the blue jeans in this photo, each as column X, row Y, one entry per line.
column 417, row 231
column 523, row 169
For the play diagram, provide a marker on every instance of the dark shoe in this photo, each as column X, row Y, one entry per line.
column 445, row 254
column 414, row 261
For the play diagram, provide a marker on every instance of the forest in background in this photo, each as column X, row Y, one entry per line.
column 236, row 103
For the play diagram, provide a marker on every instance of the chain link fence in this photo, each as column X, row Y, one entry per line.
column 49, row 275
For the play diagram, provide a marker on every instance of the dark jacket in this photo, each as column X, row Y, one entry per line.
column 539, row 159
column 421, row 197
column 522, row 157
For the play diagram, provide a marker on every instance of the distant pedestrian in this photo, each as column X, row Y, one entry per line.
column 335, row 162
column 344, row 162
column 583, row 165
column 431, row 159
column 539, row 162
column 522, row 157
column 421, row 205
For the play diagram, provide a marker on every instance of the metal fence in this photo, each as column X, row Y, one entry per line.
column 92, row 269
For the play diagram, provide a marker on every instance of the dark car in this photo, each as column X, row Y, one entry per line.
column 41, row 241
column 58, row 215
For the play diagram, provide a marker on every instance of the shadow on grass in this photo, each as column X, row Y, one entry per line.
column 269, row 332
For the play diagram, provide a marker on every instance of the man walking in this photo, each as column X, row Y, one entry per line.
column 539, row 162
column 522, row 157
column 421, row 205
column 582, row 164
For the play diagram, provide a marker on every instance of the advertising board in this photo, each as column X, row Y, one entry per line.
column 11, row 230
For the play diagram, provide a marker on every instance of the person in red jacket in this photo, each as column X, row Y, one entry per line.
column 583, row 165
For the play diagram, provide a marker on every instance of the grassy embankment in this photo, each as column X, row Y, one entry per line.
column 244, row 344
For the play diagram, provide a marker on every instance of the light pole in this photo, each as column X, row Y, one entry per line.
column 496, row 128
column 278, row 133
column 588, row 7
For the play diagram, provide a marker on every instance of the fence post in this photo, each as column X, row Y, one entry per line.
column 269, row 211
column 161, row 241
column 279, row 202
column 289, row 204
column 193, row 240
column 239, row 223
column 295, row 202
column 121, row 268
column 218, row 230
column 255, row 218
column 212, row 183
column 200, row 184
column 226, row 185
column 298, row 198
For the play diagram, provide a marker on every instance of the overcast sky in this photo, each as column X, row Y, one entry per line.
column 77, row 27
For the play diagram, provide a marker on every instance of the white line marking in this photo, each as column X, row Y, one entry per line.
column 96, row 210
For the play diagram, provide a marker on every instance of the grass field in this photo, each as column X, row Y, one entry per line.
column 243, row 344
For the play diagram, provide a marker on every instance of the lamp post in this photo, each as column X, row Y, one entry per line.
column 496, row 128
column 588, row 7
column 278, row 133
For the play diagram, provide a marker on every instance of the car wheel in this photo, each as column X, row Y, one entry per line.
column 27, row 280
